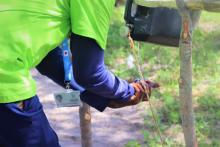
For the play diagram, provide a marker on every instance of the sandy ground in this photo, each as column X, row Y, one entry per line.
column 111, row 128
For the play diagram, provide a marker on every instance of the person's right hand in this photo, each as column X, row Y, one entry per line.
column 142, row 93
column 139, row 93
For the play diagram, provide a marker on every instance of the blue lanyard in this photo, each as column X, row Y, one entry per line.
column 68, row 71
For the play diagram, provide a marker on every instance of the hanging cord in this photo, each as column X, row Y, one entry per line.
column 136, row 54
column 68, row 71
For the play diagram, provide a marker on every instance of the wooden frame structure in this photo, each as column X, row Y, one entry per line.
column 190, row 12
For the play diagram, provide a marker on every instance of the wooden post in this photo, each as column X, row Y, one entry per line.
column 189, row 10
column 85, row 125
column 185, row 81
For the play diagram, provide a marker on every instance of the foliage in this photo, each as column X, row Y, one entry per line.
column 161, row 64
column 133, row 143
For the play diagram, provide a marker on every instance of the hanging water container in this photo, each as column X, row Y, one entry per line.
column 156, row 25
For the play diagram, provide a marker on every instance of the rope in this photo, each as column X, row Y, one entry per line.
column 135, row 52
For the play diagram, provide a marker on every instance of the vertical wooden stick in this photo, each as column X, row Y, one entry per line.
column 185, row 87
column 185, row 81
column 85, row 125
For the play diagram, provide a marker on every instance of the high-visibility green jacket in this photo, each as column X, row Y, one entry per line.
column 29, row 29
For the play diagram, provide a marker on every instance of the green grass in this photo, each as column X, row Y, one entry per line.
column 161, row 64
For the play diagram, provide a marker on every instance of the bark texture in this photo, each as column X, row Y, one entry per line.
column 85, row 125
column 189, row 19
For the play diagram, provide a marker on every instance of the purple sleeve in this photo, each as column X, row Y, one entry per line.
column 52, row 67
column 91, row 73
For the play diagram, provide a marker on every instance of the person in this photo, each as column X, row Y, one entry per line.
column 32, row 29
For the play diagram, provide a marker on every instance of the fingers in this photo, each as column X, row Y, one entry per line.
column 147, row 90
column 137, row 87
column 141, row 88
column 139, row 93
column 149, row 86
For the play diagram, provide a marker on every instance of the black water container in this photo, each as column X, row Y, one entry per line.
column 155, row 25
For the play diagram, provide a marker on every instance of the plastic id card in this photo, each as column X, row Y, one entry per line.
column 68, row 98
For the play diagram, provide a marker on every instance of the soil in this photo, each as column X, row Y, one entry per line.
column 111, row 128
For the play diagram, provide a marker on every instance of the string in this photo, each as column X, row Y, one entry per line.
column 136, row 54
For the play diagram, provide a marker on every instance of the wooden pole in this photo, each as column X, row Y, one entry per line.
column 85, row 125
column 185, row 82
column 209, row 5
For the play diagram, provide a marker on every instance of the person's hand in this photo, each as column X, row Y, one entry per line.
column 139, row 93
column 142, row 93
column 151, row 85
column 142, row 90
